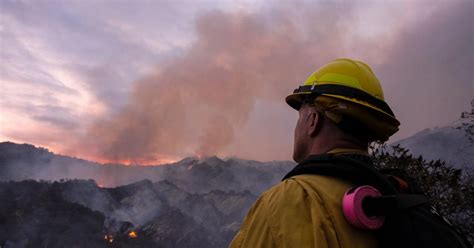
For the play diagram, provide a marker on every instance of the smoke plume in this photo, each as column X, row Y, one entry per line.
column 200, row 102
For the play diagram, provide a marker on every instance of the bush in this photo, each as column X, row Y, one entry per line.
column 450, row 190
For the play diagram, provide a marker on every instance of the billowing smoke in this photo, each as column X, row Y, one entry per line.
column 427, row 71
column 200, row 102
column 197, row 103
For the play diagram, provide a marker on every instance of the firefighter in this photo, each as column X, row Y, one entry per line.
column 341, row 110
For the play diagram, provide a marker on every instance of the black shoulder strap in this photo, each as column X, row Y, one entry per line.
column 391, row 204
column 359, row 172
column 346, row 168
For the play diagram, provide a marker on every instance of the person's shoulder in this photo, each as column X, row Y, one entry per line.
column 302, row 189
column 301, row 182
column 283, row 193
column 283, row 187
column 300, row 186
column 319, row 182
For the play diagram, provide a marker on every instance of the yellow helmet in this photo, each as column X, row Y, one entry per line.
column 351, row 96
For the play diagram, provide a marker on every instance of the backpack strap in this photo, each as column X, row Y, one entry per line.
column 410, row 221
column 389, row 204
column 359, row 172
column 353, row 170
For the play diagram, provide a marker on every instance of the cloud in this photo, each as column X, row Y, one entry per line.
column 57, row 116
column 78, row 56
column 158, row 79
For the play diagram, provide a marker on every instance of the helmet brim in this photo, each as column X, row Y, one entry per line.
column 295, row 100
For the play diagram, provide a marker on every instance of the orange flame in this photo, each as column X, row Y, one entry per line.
column 132, row 234
column 137, row 162
column 109, row 238
column 148, row 161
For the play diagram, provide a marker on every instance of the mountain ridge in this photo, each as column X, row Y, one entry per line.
column 24, row 161
column 452, row 143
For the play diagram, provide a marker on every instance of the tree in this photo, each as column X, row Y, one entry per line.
column 450, row 190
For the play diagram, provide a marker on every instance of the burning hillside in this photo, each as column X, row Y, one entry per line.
column 191, row 203
column 79, row 214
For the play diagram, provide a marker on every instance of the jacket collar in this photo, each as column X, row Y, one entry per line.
column 343, row 151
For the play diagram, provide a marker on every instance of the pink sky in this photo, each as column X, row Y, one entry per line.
column 146, row 82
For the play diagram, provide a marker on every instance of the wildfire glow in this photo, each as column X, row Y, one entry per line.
column 109, row 238
column 158, row 160
column 132, row 234
column 140, row 162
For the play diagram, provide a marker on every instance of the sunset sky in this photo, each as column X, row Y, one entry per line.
column 155, row 81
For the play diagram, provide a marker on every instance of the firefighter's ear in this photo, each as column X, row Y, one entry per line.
column 315, row 122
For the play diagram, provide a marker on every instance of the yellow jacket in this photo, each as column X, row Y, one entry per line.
column 302, row 211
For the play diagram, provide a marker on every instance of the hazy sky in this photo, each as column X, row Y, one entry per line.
column 150, row 81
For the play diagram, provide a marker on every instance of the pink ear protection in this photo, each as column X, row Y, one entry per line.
column 353, row 209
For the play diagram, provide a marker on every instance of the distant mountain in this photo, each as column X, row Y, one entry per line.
column 23, row 161
column 453, row 143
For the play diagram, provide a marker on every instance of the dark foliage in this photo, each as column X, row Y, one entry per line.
column 467, row 127
column 35, row 214
column 450, row 190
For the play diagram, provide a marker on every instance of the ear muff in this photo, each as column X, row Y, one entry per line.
column 352, row 207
